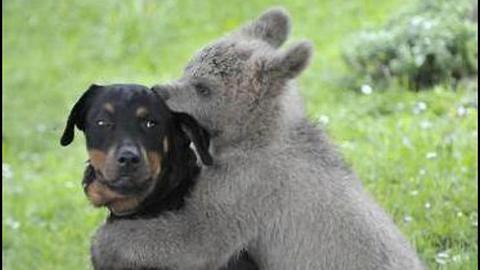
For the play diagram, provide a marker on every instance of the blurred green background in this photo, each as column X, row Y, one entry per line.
column 416, row 152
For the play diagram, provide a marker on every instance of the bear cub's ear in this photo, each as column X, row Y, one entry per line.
column 273, row 27
column 286, row 65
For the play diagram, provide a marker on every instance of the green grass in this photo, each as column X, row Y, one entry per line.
column 420, row 166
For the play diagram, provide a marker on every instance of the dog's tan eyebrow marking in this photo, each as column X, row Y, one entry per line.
column 165, row 144
column 109, row 107
column 141, row 111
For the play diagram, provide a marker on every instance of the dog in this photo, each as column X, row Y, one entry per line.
column 141, row 164
column 277, row 187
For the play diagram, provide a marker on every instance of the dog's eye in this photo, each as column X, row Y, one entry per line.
column 103, row 123
column 202, row 89
column 150, row 123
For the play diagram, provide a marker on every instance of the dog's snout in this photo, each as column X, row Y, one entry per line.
column 128, row 156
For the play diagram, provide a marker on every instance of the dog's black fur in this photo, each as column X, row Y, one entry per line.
column 179, row 167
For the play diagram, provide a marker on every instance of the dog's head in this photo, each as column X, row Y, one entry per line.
column 129, row 133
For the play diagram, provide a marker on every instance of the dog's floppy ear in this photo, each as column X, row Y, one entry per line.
column 197, row 134
column 77, row 114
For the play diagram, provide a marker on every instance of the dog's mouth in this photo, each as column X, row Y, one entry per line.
column 125, row 185
column 122, row 196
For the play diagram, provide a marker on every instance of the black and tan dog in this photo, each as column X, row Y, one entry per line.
column 141, row 163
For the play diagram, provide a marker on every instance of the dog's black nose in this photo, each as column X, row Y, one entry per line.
column 128, row 156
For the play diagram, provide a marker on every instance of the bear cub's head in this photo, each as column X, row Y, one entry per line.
column 232, row 85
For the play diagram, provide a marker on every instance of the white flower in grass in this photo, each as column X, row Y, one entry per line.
column 474, row 218
column 419, row 107
column 12, row 223
column 425, row 124
column 406, row 142
column 323, row 119
column 462, row 111
column 407, row 219
column 366, row 89
column 442, row 257
column 7, row 171
column 422, row 105
column 457, row 258
column 431, row 155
